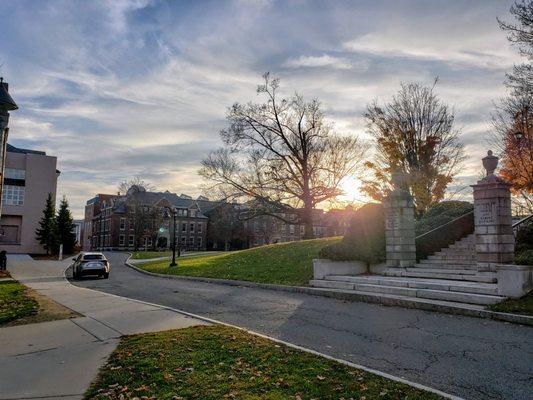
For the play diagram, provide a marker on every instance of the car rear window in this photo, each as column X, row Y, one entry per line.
column 93, row 257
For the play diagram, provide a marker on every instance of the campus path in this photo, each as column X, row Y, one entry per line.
column 469, row 357
column 59, row 359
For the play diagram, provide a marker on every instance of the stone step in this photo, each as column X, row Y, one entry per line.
column 446, row 266
column 453, row 254
column 480, row 277
column 459, row 271
column 420, row 283
column 453, row 257
column 460, row 297
column 460, row 263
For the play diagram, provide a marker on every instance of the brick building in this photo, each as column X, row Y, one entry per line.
column 136, row 220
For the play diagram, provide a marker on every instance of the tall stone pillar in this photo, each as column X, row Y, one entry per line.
column 492, row 218
column 400, row 226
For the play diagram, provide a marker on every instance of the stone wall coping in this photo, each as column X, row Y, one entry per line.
column 512, row 267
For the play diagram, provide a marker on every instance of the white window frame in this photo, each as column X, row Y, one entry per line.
column 122, row 224
column 131, row 240
column 121, row 239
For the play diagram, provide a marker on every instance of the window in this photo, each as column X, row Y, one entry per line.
column 199, row 241
column 13, row 195
column 302, row 229
column 121, row 240
column 132, row 224
column 199, row 229
column 122, row 224
column 131, row 240
column 183, row 239
column 192, row 226
column 13, row 173
column 191, row 241
column 291, row 229
column 184, row 227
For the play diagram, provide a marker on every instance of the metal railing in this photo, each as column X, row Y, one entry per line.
column 517, row 224
column 444, row 235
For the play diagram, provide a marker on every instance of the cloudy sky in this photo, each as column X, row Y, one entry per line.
column 119, row 88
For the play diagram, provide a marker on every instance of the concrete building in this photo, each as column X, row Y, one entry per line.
column 29, row 176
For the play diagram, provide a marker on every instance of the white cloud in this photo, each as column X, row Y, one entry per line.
column 324, row 60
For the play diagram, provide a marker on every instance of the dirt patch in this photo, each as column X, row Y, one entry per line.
column 4, row 274
column 49, row 310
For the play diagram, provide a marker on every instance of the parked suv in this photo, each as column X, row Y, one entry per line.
column 90, row 264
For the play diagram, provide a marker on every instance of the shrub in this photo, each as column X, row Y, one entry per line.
column 524, row 237
column 524, row 258
column 364, row 240
column 441, row 213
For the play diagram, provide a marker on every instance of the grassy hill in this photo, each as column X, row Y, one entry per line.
column 282, row 263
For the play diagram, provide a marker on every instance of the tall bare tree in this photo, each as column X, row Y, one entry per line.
column 512, row 136
column 520, row 33
column 413, row 134
column 512, row 133
column 125, row 185
column 281, row 151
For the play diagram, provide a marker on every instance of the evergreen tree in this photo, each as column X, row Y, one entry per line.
column 46, row 234
column 65, row 228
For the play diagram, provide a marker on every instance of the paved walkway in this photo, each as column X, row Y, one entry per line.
column 59, row 359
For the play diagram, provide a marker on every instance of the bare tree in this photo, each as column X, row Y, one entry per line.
column 281, row 151
column 125, row 185
column 146, row 220
column 520, row 33
column 512, row 137
column 413, row 134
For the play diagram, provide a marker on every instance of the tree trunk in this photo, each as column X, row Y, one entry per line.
column 308, row 220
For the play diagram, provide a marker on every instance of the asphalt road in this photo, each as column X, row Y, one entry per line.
column 469, row 357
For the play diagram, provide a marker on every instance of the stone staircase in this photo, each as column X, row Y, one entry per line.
column 449, row 275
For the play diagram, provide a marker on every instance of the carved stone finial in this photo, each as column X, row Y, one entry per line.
column 490, row 163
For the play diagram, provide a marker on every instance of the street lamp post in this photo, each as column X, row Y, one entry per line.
column 174, row 213
column 6, row 104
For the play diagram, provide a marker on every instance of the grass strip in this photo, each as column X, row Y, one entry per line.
column 523, row 305
column 219, row 362
column 15, row 302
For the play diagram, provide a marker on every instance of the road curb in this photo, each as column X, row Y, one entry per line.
column 385, row 300
column 288, row 344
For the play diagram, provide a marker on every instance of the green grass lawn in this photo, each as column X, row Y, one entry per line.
column 523, row 305
column 143, row 255
column 15, row 302
column 218, row 362
column 283, row 263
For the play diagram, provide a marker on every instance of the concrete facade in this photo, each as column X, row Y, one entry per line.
column 493, row 219
column 400, row 227
column 29, row 176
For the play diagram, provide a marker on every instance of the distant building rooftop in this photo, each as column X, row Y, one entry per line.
column 13, row 149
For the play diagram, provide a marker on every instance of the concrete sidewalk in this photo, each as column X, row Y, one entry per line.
column 59, row 359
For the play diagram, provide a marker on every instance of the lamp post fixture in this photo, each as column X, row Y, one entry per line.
column 6, row 104
column 167, row 214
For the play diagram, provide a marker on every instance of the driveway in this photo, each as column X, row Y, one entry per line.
column 469, row 357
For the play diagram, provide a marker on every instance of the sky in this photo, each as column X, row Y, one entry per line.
column 117, row 89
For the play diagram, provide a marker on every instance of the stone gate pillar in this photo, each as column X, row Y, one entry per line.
column 492, row 219
column 400, row 225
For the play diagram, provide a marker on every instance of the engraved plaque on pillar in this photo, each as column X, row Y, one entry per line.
column 393, row 219
column 486, row 212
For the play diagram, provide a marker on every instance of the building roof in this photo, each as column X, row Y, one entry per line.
column 13, row 149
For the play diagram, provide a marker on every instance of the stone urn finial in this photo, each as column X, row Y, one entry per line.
column 398, row 179
column 490, row 163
